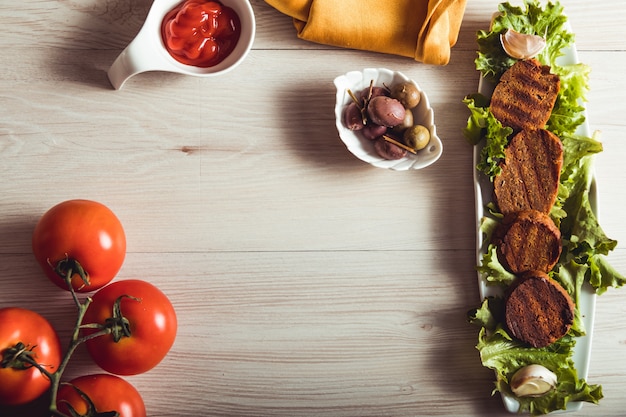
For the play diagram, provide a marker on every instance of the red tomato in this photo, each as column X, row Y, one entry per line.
column 106, row 392
column 83, row 231
column 18, row 325
column 151, row 323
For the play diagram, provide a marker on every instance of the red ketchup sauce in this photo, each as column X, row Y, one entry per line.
column 201, row 33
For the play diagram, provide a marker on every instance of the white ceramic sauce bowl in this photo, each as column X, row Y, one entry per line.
column 147, row 52
column 363, row 148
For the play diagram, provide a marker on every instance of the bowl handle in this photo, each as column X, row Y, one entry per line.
column 140, row 55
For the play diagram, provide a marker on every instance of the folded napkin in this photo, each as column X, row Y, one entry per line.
column 424, row 30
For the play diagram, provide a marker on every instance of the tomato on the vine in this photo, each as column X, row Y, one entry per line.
column 104, row 392
column 27, row 333
column 76, row 236
column 145, row 332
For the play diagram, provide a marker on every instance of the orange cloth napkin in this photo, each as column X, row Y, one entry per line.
column 424, row 30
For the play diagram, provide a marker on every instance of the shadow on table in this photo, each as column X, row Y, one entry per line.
column 99, row 32
column 308, row 123
column 37, row 408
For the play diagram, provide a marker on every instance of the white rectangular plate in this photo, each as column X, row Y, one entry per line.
column 483, row 189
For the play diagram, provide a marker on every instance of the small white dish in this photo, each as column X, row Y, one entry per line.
column 363, row 148
column 147, row 52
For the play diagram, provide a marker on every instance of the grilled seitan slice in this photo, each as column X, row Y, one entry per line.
column 530, row 172
column 538, row 310
column 525, row 95
column 528, row 241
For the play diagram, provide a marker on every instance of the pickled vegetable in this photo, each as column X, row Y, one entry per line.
column 352, row 117
column 407, row 94
column 417, row 137
column 385, row 111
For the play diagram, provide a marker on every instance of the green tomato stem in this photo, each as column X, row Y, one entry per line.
column 75, row 341
column 66, row 268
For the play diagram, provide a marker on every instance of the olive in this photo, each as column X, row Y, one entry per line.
column 406, row 93
column 385, row 111
column 416, row 137
column 371, row 131
column 352, row 117
column 376, row 91
column 388, row 150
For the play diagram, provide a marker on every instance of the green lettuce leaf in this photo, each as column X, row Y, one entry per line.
column 575, row 148
column 572, row 276
column 488, row 315
column 492, row 270
column 584, row 239
column 568, row 112
column 482, row 124
column 477, row 104
column 603, row 275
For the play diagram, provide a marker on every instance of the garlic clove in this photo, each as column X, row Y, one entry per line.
column 532, row 381
column 520, row 45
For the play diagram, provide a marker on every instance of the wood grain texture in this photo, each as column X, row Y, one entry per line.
column 306, row 283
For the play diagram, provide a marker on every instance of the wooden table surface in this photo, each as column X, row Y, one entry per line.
column 306, row 282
